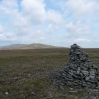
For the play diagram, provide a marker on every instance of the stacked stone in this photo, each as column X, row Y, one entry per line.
column 79, row 70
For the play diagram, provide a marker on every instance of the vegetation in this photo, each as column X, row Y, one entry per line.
column 24, row 74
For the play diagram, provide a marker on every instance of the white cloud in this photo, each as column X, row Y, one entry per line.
column 50, row 28
column 8, row 6
column 1, row 29
column 76, row 29
column 35, row 11
column 2, row 37
column 37, row 34
column 19, row 20
column 82, row 7
column 82, row 40
column 42, row 38
column 9, row 35
column 54, row 17
column 33, row 14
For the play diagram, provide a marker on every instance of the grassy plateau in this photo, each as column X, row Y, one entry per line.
column 24, row 74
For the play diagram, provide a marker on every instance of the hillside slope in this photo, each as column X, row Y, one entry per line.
column 27, row 46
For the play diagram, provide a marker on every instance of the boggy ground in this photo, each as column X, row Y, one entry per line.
column 24, row 74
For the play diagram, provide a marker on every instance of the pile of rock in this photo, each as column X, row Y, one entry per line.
column 79, row 70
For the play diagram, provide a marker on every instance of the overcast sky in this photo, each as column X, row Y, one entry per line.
column 54, row 22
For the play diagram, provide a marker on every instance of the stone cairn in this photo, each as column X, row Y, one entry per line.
column 79, row 71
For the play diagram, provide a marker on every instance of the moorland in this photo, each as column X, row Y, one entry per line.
column 24, row 74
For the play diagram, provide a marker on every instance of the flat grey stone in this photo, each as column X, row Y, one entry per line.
column 87, row 78
column 92, row 76
column 73, row 91
column 85, row 72
column 15, row 78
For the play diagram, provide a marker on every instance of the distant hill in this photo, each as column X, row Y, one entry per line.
column 11, row 46
column 26, row 46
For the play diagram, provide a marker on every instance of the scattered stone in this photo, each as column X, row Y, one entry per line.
column 79, row 70
column 29, row 75
column 71, row 88
column 15, row 78
column 33, row 93
column 6, row 93
column 73, row 91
